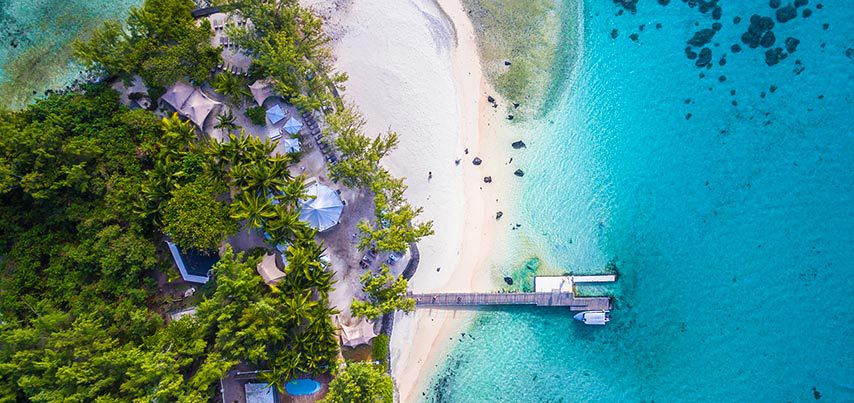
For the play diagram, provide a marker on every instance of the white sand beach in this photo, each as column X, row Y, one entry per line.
column 414, row 68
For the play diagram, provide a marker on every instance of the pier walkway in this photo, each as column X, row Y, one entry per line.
column 555, row 298
column 548, row 291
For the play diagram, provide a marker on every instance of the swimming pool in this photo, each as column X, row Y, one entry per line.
column 301, row 387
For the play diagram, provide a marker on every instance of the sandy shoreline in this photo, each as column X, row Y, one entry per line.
column 414, row 67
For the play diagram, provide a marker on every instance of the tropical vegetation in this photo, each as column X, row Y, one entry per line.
column 385, row 294
column 360, row 382
column 394, row 226
column 161, row 43
column 89, row 187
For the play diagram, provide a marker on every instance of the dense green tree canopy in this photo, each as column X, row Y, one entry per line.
column 385, row 294
column 360, row 382
column 85, row 182
column 194, row 218
column 290, row 48
column 161, row 43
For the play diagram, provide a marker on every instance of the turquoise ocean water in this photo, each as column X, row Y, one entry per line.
column 732, row 229
column 35, row 38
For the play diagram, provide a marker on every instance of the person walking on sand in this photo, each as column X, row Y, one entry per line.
column 429, row 175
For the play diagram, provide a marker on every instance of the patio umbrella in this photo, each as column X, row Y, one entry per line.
column 323, row 210
column 292, row 126
column 275, row 114
column 291, row 145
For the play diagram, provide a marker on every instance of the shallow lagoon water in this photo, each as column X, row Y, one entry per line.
column 731, row 228
column 35, row 39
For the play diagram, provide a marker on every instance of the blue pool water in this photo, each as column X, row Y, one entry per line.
column 732, row 230
column 301, row 387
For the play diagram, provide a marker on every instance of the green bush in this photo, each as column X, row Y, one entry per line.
column 256, row 115
column 380, row 349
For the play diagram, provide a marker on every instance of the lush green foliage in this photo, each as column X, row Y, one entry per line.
column 257, row 115
column 379, row 349
column 194, row 218
column 284, row 329
column 290, row 48
column 360, row 155
column 84, row 183
column 233, row 87
column 385, row 294
column 394, row 227
column 360, row 382
column 74, row 291
column 161, row 43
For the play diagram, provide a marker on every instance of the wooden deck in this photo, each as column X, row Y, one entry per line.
column 554, row 298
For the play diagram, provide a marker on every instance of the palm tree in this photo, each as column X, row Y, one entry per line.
column 233, row 87
column 253, row 208
column 225, row 121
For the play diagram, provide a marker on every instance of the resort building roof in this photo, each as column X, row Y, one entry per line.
column 193, row 265
column 268, row 270
column 260, row 393
column 322, row 210
column 261, row 90
column 360, row 333
column 190, row 102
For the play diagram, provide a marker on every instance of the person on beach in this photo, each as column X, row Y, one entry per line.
column 429, row 175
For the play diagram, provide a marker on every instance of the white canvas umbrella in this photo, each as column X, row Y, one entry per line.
column 261, row 90
column 291, row 145
column 197, row 107
column 292, row 126
column 322, row 211
column 177, row 94
column 275, row 114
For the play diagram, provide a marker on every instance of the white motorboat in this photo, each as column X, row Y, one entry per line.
column 593, row 317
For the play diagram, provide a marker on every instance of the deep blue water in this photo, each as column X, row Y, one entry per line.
column 732, row 230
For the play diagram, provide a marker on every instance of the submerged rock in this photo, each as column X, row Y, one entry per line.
column 702, row 37
column 735, row 48
column 801, row 3
column 690, row 53
column 774, row 3
column 768, row 39
column 634, row 37
column 705, row 57
column 520, row 173
column 786, row 13
column 792, row 44
column 614, row 33
column 518, row 144
column 508, row 280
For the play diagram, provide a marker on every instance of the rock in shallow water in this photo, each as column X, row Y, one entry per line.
column 702, row 37
column 768, row 39
column 704, row 58
column 487, row 179
column 786, row 13
column 476, row 161
column 792, row 44
column 520, row 173
column 508, row 280
column 518, row 144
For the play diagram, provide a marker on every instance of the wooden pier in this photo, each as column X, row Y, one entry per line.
column 549, row 291
column 557, row 298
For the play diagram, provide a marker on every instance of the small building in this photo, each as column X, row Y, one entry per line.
column 190, row 102
column 260, row 393
column 269, row 270
column 194, row 265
